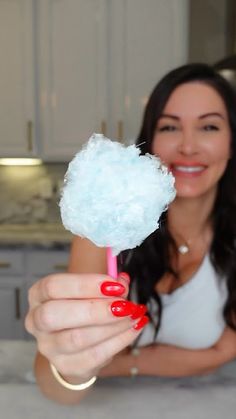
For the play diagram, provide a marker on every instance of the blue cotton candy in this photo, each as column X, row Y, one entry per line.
column 113, row 195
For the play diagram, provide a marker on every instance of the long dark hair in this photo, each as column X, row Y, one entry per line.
column 147, row 263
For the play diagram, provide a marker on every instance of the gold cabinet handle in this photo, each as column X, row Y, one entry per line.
column 4, row 265
column 104, row 128
column 30, row 136
column 120, row 131
column 17, row 304
column 61, row 266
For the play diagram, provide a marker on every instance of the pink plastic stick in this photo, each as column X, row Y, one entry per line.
column 112, row 269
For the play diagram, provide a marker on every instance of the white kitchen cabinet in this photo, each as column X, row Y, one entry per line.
column 72, row 57
column 73, row 67
column 147, row 39
column 16, row 79
column 19, row 269
column 97, row 63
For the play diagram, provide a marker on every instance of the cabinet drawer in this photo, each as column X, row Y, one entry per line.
column 46, row 262
column 11, row 262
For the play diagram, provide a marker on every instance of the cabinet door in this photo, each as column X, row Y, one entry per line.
column 148, row 38
column 11, row 321
column 41, row 263
column 16, row 78
column 98, row 61
column 72, row 73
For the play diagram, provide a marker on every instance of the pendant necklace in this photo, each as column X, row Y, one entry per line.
column 183, row 249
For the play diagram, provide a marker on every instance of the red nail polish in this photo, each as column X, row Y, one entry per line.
column 125, row 276
column 123, row 308
column 141, row 323
column 141, row 309
column 112, row 289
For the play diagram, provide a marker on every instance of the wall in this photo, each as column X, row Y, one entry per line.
column 209, row 30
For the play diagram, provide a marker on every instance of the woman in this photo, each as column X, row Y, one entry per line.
column 185, row 272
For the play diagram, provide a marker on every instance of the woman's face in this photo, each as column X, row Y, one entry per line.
column 193, row 138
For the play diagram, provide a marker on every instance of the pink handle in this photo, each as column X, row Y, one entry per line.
column 112, row 269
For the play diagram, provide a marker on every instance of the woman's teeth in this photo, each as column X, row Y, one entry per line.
column 189, row 169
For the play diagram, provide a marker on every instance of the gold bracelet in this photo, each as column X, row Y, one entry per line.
column 65, row 384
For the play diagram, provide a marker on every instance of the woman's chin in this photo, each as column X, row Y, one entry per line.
column 194, row 192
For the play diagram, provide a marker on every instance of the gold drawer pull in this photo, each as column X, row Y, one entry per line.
column 120, row 131
column 61, row 266
column 104, row 128
column 17, row 304
column 4, row 265
column 30, row 136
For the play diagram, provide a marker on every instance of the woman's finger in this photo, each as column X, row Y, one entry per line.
column 75, row 340
column 57, row 315
column 95, row 356
column 72, row 286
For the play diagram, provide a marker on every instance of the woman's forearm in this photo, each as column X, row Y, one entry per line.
column 166, row 361
column 51, row 388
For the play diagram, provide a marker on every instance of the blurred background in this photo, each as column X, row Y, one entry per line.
column 69, row 68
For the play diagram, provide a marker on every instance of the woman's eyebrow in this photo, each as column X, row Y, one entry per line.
column 165, row 115
column 205, row 115
column 211, row 114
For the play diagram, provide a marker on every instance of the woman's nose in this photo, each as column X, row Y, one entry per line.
column 188, row 143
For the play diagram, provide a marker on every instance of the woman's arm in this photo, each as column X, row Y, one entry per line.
column 85, row 257
column 171, row 361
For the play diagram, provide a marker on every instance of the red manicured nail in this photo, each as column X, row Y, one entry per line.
column 112, row 289
column 139, row 312
column 123, row 308
column 141, row 323
column 125, row 276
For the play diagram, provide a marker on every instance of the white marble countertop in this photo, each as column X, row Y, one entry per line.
column 209, row 397
column 43, row 233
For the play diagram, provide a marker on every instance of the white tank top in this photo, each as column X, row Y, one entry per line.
column 192, row 315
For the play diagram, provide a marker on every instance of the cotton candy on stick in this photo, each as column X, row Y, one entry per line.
column 114, row 196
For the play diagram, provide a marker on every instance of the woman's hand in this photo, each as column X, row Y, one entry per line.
column 81, row 321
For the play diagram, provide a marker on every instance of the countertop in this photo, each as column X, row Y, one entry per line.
column 209, row 397
column 34, row 234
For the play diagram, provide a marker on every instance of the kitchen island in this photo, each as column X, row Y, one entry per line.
column 208, row 397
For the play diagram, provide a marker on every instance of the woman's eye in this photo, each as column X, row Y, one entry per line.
column 210, row 127
column 167, row 128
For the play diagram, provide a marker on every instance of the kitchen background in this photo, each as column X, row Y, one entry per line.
column 70, row 68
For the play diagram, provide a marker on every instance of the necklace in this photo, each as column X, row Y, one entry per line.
column 183, row 249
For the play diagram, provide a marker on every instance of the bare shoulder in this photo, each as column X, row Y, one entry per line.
column 85, row 257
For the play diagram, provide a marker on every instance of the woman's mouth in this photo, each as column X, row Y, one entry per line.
column 187, row 170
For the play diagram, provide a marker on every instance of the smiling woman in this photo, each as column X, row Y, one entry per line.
column 183, row 274
column 190, row 123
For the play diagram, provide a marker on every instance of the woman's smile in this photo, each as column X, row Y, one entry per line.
column 187, row 170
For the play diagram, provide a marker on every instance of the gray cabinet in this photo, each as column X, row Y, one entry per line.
column 11, row 294
column 11, row 324
column 19, row 270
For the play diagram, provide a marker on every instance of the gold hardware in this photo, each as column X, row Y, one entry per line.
column 30, row 135
column 4, row 265
column 120, row 131
column 17, row 303
column 61, row 266
column 104, row 128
